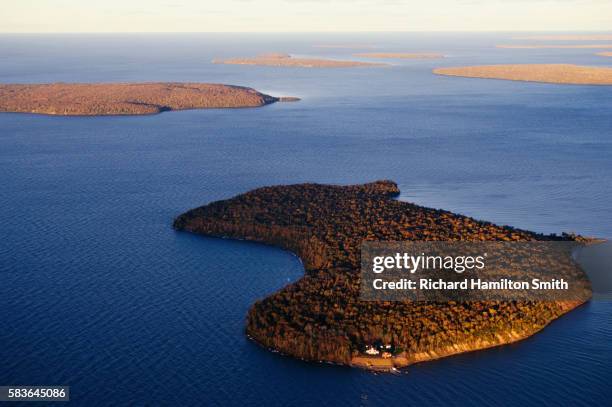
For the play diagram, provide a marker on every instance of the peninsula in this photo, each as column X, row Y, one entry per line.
column 98, row 99
column 400, row 55
column 320, row 317
column 285, row 60
column 546, row 73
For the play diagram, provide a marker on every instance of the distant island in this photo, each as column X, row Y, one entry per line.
column 560, row 46
column 286, row 60
column 321, row 318
column 98, row 99
column 605, row 54
column 546, row 73
column 400, row 55
column 568, row 37
column 345, row 46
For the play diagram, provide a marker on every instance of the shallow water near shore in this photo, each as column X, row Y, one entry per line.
column 98, row 292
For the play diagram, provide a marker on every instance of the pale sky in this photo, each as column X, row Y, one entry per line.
column 303, row 15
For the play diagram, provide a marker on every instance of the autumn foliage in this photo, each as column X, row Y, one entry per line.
column 94, row 99
column 320, row 316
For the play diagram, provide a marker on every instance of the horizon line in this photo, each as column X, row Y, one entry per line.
column 304, row 32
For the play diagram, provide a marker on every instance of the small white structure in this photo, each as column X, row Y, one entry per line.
column 372, row 351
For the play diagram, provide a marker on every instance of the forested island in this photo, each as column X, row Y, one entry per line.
column 345, row 46
column 561, row 46
column 320, row 317
column 286, row 60
column 568, row 37
column 546, row 73
column 400, row 55
column 98, row 99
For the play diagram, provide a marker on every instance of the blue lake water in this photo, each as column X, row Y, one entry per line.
column 98, row 292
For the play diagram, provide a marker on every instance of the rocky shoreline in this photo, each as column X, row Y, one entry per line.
column 103, row 99
column 321, row 317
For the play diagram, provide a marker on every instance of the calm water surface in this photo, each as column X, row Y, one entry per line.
column 98, row 292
